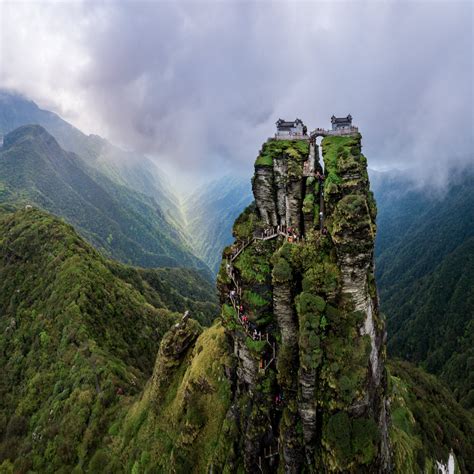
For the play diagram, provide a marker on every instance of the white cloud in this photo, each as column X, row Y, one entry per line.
column 201, row 84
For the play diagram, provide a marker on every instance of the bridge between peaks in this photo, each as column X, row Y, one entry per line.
column 319, row 132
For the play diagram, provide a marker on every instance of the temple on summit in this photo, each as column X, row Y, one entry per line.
column 341, row 123
column 296, row 127
column 297, row 130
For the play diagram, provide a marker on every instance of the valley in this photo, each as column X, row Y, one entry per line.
column 119, row 356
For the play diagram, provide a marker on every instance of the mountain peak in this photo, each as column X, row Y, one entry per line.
column 299, row 301
column 31, row 134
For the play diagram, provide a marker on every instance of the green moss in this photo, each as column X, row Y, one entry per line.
column 337, row 437
column 336, row 151
column 264, row 160
column 255, row 346
column 293, row 150
column 254, row 299
column 285, row 366
column 187, row 429
column 365, row 436
column 282, row 271
column 350, row 440
column 253, row 265
column 246, row 224
column 309, row 308
column 310, row 303
column 308, row 203
column 322, row 277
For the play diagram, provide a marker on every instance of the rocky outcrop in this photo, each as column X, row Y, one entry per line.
column 294, row 203
column 278, row 184
column 263, row 190
column 308, row 406
column 247, row 370
column 352, row 227
column 280, row 173
column 321, row 389
column 283, row 309
column 174, row 345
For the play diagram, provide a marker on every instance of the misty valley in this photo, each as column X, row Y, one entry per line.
column 316, row 317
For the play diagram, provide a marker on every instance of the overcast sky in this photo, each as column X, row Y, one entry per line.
column 201, row 84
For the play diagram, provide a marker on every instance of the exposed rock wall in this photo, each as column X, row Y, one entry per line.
column 280, row 172
column 278, row 184
column 283, row 309
column 263, row 190
column 294, row 203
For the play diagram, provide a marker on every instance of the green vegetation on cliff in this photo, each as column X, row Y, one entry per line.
column 296, row 149
column 84, row 387
column 294, row 292
column 77, row 340
column 178, row 425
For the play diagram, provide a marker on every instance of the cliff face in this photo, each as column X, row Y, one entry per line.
column 300, row 303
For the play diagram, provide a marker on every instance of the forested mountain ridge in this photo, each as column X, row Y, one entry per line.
column 78, row 338
column 425, row 262
column 34, row 169
column 123, row 167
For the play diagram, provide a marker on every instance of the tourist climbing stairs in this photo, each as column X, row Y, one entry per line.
column 271, row 234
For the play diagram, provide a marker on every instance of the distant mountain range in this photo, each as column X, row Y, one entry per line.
column 117, row 200
column 193, row 236
column 127, row 168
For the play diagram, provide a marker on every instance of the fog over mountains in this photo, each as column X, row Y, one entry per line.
column 117, row 199
column 199, row 87
column 122, row 203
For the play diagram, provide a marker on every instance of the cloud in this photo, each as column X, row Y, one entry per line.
column 200, row 84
